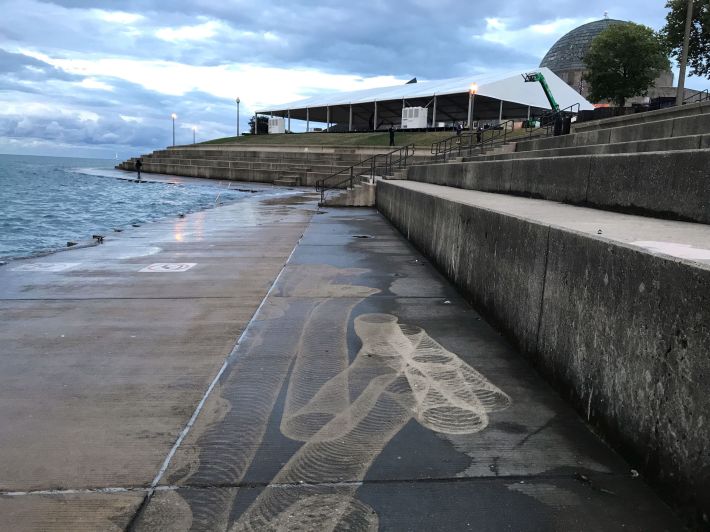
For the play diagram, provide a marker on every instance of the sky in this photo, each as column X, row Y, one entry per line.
column 99, row 79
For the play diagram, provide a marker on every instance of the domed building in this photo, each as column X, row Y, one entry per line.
column 566, row 59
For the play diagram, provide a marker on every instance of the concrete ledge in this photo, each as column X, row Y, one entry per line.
column 448, row 174
column 689, row 142
column 673, row 184
column 669, row 185
column 559, row 178
column 650, row 116
column 362, row 195
column 673, row 126
column 240, row 174
column 621, row 332
column 493, row 177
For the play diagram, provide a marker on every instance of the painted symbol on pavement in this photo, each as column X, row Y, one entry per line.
column 168, row 267
column 45, row 266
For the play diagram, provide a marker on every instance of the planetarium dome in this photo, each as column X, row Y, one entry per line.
column 566, row 57
column 569, row 51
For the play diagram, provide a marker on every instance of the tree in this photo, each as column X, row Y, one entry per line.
column 699, row 45
column 263, row 125
column 623, row 61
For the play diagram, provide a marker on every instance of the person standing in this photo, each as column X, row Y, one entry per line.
column 391, row 130
column 139, row 165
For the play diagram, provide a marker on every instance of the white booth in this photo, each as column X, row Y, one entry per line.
column 277, row 125
column 414, row 117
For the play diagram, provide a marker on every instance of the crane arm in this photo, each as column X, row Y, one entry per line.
column 538, row 77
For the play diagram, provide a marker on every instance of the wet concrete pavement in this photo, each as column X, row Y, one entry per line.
column 105, row 356
column 364, row 394
column 368, row 394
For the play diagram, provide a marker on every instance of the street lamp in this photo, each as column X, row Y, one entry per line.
column 238, row 101
column 471, row 94
column 173, row 116
column 194, row 130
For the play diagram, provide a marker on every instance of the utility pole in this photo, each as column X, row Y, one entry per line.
column 684, row 55
column 238, row 101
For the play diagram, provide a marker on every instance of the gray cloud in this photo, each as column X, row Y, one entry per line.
column 26, row 68
column 368, row 38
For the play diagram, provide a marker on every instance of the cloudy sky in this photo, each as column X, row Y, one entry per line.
column 83, row 78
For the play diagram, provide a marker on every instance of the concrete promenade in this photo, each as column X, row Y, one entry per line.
column 365, row 393
column 103, row 363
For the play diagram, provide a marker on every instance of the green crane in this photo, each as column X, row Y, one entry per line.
column 537, row 76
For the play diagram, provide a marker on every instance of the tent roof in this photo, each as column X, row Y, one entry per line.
column 509, row 87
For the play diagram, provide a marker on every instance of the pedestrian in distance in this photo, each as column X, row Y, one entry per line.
column 139, row 165
column 391, row 130
column 479, row 134
column 459, row 128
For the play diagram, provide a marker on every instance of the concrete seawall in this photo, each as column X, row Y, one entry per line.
column 621, row 332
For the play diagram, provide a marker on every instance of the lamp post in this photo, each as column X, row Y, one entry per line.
column 471, row 94
column 194, row 131
column 238, row 102
column 173, row 116
column 680, row 93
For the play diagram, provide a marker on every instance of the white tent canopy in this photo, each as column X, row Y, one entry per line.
column 448, row 98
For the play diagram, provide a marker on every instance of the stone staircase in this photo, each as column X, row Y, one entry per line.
column 591, row 253
column 636, row 167
column 282, row 165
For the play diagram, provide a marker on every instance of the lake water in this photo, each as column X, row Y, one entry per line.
column 47, row 201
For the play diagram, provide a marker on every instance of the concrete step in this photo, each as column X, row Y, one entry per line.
column 671, row 185
column 679, row 126
column 287, row 181
column 688, row 142
column 612, row 308
column 235, row 174
column 649, row 116
column 302, row 158
column 398, row 174
column 360, row 195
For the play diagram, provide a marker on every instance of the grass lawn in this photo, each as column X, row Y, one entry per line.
column 380, row 138
column 337, row 139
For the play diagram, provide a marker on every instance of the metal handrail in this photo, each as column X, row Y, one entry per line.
column 465, row 144
column 700, row 95
column 404, row 154
column 329, row 183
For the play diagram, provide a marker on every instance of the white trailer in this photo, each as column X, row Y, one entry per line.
column 415, row 117
column 277, row 125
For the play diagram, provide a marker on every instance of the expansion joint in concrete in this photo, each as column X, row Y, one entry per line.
column 186, row 430
column 542, row 292
column 157, row 298
column 108, row 490
column 588, row 180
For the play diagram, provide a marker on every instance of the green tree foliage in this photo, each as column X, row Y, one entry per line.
column 623, row 61
column 263, row 125
column 699, row 45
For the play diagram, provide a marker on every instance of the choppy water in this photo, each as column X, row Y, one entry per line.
column 47, row 201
